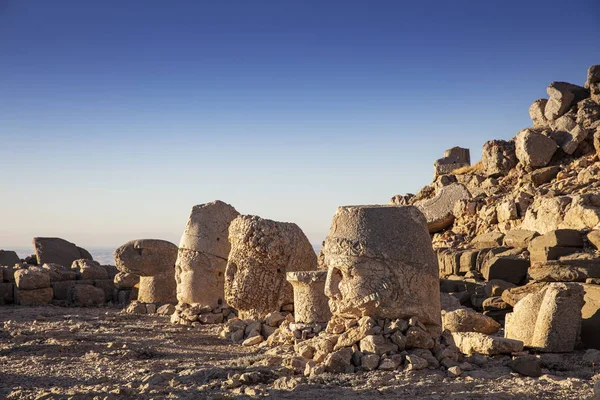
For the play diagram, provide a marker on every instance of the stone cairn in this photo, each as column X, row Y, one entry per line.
column 201, row 263
column 262, row 253
column 153, row 261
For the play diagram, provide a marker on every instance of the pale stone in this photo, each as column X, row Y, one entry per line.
column 590, row 314
column 519, row 238
column 475, row 342
column 377, row 344
column 89, row 269
column 498, row 157
column 338, row 361
column 154, row 261
column 536, row 113
column 253, row 341
column 573, row 212
column 534, row 149
column 262, row 252
column 203, row 252
column 512, row 269
column 381, row 264
column 34, row 297
column 310, row 302
column 438, row 211
column 565, row 270
column 32, row 278
column 467, row 320
column 514, row 295
column 123, row 280
column 562, row 96
column 487, row 240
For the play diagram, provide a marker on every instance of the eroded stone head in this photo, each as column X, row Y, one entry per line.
column 381, row 264
column 262, row 252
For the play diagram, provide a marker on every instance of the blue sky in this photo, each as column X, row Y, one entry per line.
column 117, row 117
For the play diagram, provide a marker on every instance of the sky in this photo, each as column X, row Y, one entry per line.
column 116, row 117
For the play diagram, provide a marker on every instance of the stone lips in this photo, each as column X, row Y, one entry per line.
column 381, row 264
column 203, row 252
column 262, row 252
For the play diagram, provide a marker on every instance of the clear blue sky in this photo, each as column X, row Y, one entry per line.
column 116, row 117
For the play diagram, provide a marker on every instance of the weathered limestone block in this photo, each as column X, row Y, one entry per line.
column 438, row 211
column 32, row 278
column 454, row 158
column 480, row 343
column 487, row 240
column 62, row 289
column 574, row 212
column 262, row 252
column 310, row 303
column 544, row 175
column 536, row 113
column 58, row 273
column 513, row 295
column 519, row 238
column 7, row 293
column 86, row 295
column 556, row 310
column 498, row 157
column 593, row 75
column 58, row 251
column 590, row 314
column 203, row 252
column 381, row 264
column 34, row 297
column 565, row 270
column 154, row 260
column 467, row 320
column 511, row 269
column 89, row 270
column 9, row 258
column 107, row 286
column 534, row 149
column 123, row 280
column 562, row 96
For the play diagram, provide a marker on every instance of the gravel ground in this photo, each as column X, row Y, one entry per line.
column 102, row 353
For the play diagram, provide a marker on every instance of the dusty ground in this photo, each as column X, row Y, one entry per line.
column 52, row 352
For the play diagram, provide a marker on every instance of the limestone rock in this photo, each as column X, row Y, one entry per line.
column 154, row 260
column 203, row 253
column 87, row 295
column 89, row 269
column 511, row 269
column 34, row 297
column 377, row 344
column 438, row 211
column 565, row 270
column 339, row 361
column 480, row 343
column 262, row 252
column 534, row 149
column 559, row 237
column 593, row 75
column 536, row 113
column 544, row 175
column 590, row 317
column 519, row 238
column 528, row 366
column 556, row 310
column 32, row 278
column 9, row 258
column 381, row 264
column 449, row 303
column 57, row 251
column 514, row 295
column 562, row 96
column 495, row 287
column 498, row 157
column 594, row 238
column 310, row 302
column 487, row 240
column 454, row 158
column 467, row 320
column 573, row 212
column 123, row 280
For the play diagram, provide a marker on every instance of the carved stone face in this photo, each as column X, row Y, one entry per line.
column 262, row 251
column 380, row 264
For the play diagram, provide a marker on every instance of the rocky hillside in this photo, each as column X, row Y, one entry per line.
column 543, row 179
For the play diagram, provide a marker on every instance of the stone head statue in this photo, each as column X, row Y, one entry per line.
column 381, row 264
column 262, row 252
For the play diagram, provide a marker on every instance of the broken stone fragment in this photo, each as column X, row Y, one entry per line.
column 533, row 149
column 439, row 210
column 474, row 342
column 467, row 320
column 310, row 302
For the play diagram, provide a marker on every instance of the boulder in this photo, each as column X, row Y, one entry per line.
column 594, row 238
column 32, row 278
column 381, row 264
column 562, row 96
column 89, row 270
column 511, row 269
column 514, row 295
column 549, row 320
column 543, row 175
column 34, row 297
column 154, row 260
column 87, row 295
column 536, row 113
column 58, row 273
column 590, row 317
column 495, row 287
column 58, row 251
column 562, row 212
column 498, row 157
column 203, row 252
column 262, row 252
column 480, row 343
column 467, row 320
column 377, row 344
column 519, row 238
column 534, row 149
column 565, row 270
column 9, row 258
column 123, row 280
column 559, row 237
column 528, row 366
column 593, row 76
column 438, row 211
column 488, row 240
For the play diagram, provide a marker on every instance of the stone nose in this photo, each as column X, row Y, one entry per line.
column 332, row 283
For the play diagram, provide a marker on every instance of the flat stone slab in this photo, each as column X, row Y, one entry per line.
column 438, row 211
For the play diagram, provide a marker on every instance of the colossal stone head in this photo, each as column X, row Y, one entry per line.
column 203, row 252
column 381, row 264
column 262, row 252
column 154, row 261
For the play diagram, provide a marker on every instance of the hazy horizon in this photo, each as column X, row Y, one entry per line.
column 116, row 118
